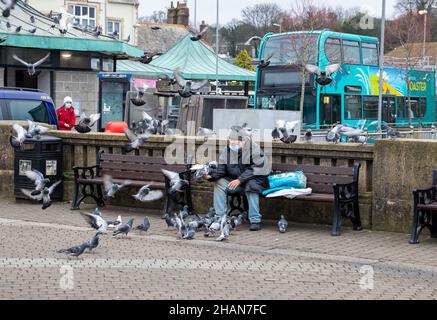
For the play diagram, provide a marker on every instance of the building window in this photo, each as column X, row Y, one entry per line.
column 85, row 16
column 352, row 107
column 351, row 52
column 114, row 28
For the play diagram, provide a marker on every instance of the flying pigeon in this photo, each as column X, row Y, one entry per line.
column 3, row 39
column 205, row 132
column 38, row 179
column 177, row 184
column 334, row 134
column 324, row 76
column 18, row 139
column 35, row 130
column 124, row 228
column 148, row 57
column 31, row 66
column 255, row 41
column 135, row 141
column 144, row 226
column 282, row 224
column 285, row 131
column 146, row 195
column 93, row 242
column 263, row 63
column 86, row 122
column 97, row 222
column 139, row 98
column 112, row 188
column 200, row 35
column 202, row 170
column 9, row 5
column 155, row 28
column 308, row 135
column 65, row 22
column 189, row 87
column 127, row 39
column 75, row 251
column 44, row 196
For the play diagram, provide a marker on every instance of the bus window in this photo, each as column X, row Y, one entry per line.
column 402, row 108
column 333, row 50
column 352, row 107
column 351, row 52
column 370, row 107
column 422, row 107
column 370, row 54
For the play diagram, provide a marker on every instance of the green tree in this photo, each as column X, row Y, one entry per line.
column 243, row 61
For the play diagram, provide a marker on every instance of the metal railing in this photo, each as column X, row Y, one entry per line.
column 416, row 63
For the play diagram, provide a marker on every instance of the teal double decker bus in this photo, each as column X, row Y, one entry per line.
column 352, row 96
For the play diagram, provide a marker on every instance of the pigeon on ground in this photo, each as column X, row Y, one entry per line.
column 114, row 224
column 75, row 251
column 177, row 184
column 9, row 5
column 38, row 179
column 146, row 195
column 205, row 132
column 127, row 39
column 285, row 131
column 31, row 67
column 196, row 224
column 135, row 140
column 224, row 228
column 211, row 212
column 282, row 224
column 190, row 232
column 189, row 87
column 20, row 135
column 35, row 130
column 86, row 122
column 212, row 228
column 201, row 170
column 112, row 188
column 334, row 134
column 236, row 221
column 323, row 76
column 44, row 196
column 308, row 135
column 184, row 213
column 93, row 242
column 200, row 35
column 170, row 221
column 124, row 228
column 180, row 226
column 144, row 226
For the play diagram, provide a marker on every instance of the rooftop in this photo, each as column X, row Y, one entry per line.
column 159, row 37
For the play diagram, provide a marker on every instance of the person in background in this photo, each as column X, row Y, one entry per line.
column 66, row 115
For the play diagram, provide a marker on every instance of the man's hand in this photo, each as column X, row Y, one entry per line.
column 234, row 184
column 67, row 125
column 207, row 177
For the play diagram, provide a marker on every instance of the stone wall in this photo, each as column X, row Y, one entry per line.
column 83, row 87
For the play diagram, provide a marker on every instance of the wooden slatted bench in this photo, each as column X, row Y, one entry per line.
column 336, row 185
column 141, row 170
column 424, row 210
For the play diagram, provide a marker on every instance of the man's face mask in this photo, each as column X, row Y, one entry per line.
column 235, row 145
column 68, row 105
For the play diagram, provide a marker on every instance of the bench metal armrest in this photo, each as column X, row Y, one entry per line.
column 345, row 191
column 424, row 196
column 86, row 172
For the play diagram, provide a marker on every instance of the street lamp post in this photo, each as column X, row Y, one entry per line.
column 425, row 14
column 217, row 50
column 381, row 66
column 195, row 14
column 279, row 26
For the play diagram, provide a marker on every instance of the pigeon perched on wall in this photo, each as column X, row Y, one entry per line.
column 93, row 242
column 144, row 226
column 135, row 140
column 199, row 36
column 334, row 134
column 112, row 188
column 35, row 130
column 282, row 224
column 20, row 135
column 31, row 67
column 32, row 31
column 285, row 131
column 308, row 135
column 146, row 195
column 323, row 76
column 38, row 179
column 189, row 87
column 86, row 122
column 205, row 132
column 44, row 196
column 75, row 251
column 177, row 184
column 124, row 229
column 9, row 5
column 391, row 133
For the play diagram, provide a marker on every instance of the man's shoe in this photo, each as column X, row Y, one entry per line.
column 255, row 227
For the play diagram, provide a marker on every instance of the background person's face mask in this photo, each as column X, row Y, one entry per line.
column 235, row 147
column 68, row 105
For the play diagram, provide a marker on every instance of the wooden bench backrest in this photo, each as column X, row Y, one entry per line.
column 320, row 179
column 136, row 167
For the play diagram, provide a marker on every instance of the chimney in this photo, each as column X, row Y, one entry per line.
column 202, row 26
column 182, row 14
column 172, row 14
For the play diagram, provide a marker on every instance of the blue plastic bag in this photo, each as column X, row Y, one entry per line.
column 288, row 179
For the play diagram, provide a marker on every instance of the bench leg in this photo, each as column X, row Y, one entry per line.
column 336, row 219
column 95, row 193
column 189, row 199
column 356, row 219
column 100, row 201
column 417, row 227
column 74, row 203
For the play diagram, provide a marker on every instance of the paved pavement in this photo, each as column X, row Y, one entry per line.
column 304, row 263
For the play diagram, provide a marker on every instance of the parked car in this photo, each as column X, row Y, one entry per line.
column 27, row 104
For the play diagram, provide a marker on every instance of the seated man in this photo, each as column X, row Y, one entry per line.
column 242, row 168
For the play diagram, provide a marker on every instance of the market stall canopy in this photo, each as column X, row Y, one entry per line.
column 198, row 61
column 28, row 28
column 138, row 68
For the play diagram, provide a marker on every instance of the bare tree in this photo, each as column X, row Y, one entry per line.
column 263, row 16
column 155, row 17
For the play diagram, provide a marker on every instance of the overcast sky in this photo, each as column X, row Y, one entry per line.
column 230, row 9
